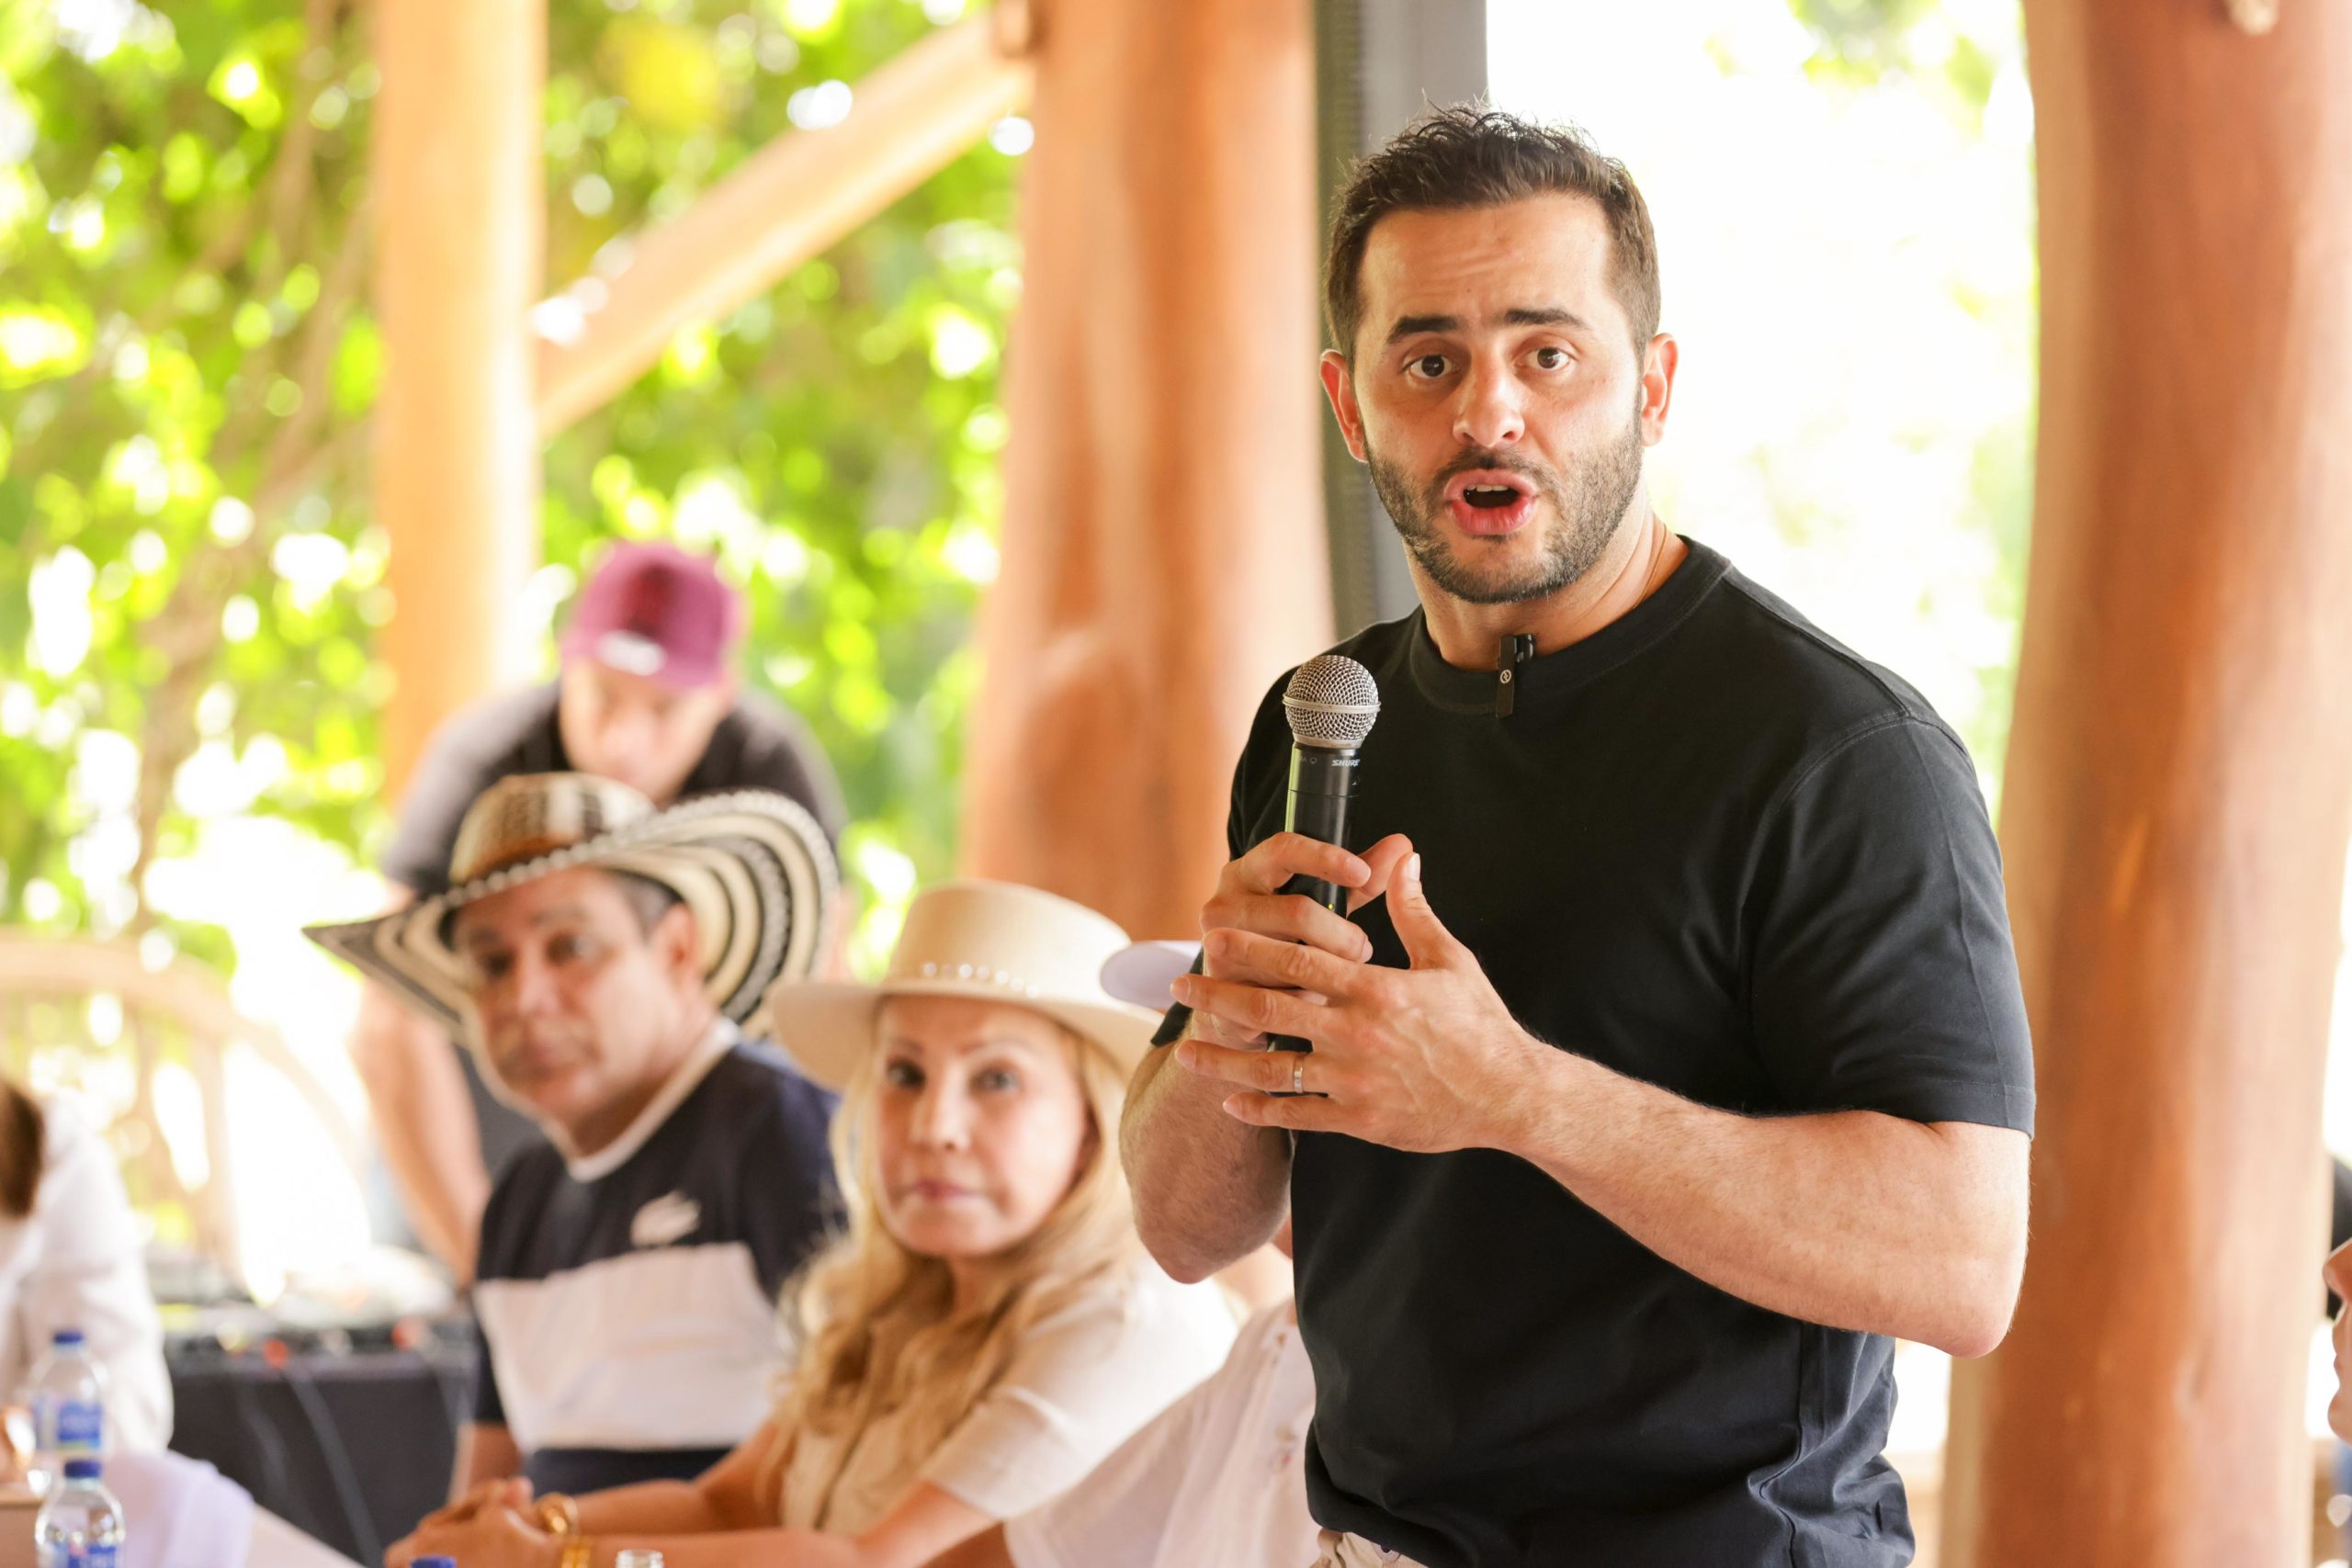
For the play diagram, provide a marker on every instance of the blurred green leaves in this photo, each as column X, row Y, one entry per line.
column 1859, row 42
column 188, row 571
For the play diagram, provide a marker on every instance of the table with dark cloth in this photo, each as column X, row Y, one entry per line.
column 350, row 1446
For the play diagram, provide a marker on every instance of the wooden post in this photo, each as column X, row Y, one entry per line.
column 1163, row 539
column 460, row 194
column 2180, row 770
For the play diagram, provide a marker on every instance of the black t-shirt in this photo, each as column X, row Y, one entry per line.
column 756, row 746
column 1712, row 850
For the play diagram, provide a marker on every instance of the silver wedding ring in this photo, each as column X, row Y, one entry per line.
column 1298, row 1075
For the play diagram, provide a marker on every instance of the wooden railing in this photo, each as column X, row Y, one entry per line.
column 94, row 1016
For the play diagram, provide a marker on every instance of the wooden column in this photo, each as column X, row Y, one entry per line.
column 459, row 222
column 1163, row 540
column 2179, row 776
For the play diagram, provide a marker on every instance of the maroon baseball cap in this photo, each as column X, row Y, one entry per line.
column 654, row 610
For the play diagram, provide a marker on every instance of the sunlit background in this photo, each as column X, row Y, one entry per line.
column 1845, row 203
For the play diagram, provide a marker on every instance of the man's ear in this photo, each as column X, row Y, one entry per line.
column 1339, row 387
column 677, row 939
column 1659, row 358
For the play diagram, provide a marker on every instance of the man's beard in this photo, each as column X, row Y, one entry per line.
column 1586, row 511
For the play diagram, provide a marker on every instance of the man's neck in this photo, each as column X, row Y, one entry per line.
column 598, row 1130
column 1641, row 555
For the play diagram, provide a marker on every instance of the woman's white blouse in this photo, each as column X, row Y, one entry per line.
column 74, row 1262
column 1078, row 1385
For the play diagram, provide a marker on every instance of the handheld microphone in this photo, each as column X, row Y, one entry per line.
column 1332, row 703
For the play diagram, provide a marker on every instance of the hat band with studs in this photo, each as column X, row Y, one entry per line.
column 979, row 973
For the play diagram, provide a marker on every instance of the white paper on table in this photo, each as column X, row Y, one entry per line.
column 178, row 1512
column 276, row 1544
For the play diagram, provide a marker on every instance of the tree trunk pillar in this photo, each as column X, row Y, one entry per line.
column 459, row 223
column 2179, row 777
column 1164, row 555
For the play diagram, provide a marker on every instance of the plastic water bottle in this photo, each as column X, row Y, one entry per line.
column 81, row 1524
column 68, row 1396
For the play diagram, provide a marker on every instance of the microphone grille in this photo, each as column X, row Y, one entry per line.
column 1332, row 701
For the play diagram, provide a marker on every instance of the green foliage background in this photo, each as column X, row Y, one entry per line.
column 187, row 360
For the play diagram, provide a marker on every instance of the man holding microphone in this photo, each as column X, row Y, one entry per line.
column 1673, row 1059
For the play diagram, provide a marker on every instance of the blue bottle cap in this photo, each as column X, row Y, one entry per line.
column 432, row 1562
column 66, row 1337
column 82, row 1469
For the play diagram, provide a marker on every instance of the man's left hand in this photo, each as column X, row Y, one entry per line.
column 1426, row 1059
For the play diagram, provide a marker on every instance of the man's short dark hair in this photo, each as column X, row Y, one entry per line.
column 648, row 900
column 1465, row 156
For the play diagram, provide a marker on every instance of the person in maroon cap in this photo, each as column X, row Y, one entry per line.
column 649, row 696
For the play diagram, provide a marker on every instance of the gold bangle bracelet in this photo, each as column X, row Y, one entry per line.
column 559, row 1516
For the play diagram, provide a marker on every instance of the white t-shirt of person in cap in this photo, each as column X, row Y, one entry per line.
column 1216, row 1479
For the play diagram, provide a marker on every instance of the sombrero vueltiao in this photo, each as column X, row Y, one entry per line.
column 751, row 864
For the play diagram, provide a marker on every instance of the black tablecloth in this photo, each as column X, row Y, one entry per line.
column 351, row 1446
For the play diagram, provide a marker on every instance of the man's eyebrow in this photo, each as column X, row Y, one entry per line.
column 1517, row 316
column 1411, row 326
column 1543, row 316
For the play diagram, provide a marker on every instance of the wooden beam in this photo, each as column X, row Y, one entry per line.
column 457, row 236
column 2179, row 780
column 789, row 202
column 1164, row 554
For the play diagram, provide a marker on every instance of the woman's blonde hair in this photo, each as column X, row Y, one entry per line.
column 878, row 1327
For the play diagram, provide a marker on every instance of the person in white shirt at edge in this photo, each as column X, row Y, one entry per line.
column 598, row 955
column 988, row 1328
column 69, row 1258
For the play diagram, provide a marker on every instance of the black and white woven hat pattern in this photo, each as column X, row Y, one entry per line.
column 752, row 865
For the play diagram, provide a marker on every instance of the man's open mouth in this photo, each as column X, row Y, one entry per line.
column 1487, row 489
column 1492, row 502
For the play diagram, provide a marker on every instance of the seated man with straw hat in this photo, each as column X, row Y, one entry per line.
column 650, row 693
column 597, row 954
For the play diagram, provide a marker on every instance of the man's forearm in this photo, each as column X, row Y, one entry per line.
column 1209, row 1190
column 1851, row 1219
column 485, row 1452
column 424, row 1124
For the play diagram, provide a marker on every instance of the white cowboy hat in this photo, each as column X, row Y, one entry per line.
column 995, row 940
column 751, row 865
column 1143, row 973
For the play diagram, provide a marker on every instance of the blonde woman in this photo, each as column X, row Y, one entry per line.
column 987, row 1330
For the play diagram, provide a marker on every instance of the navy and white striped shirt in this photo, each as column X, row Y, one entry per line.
column 627, row 1299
